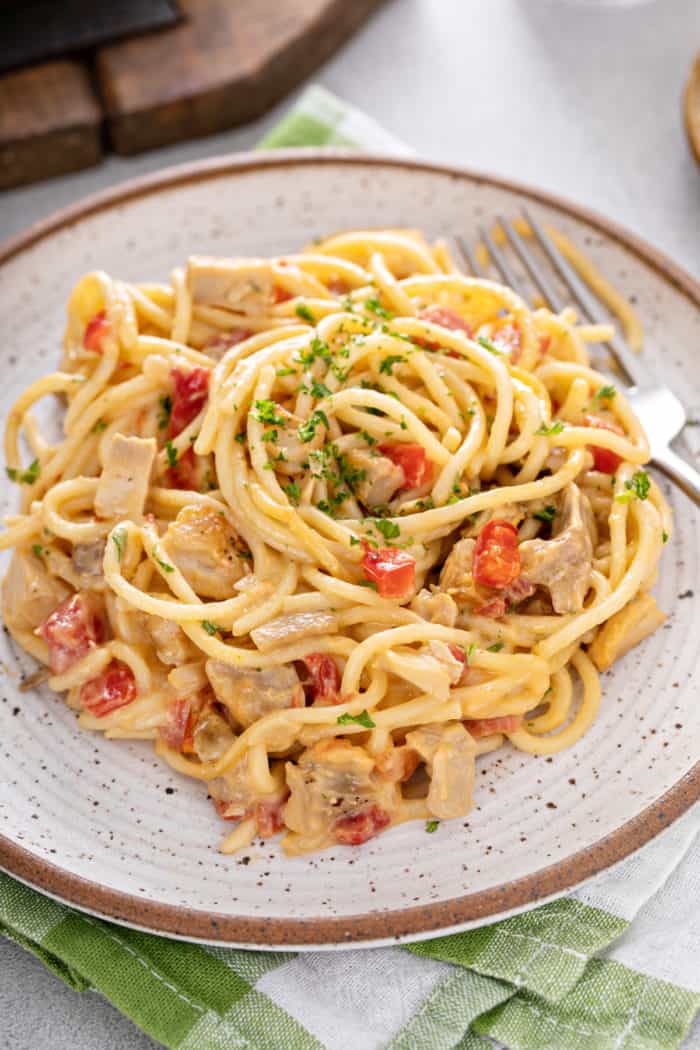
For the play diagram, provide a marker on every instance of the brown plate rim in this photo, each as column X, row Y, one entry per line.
column 691, row 107
column 384, row 925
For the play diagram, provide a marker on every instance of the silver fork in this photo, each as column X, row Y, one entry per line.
column 660, row 412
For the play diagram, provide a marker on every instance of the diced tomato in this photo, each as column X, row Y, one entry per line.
column 496, row 558
column 459, row 654
column 508, row 338
column 226, row 810
column 72, row 629
column 325, row 678
column 187, row 473
column 545, row 340
column 190, row 393
column 280, row 295
column 338, row 286
column 112, row 688
column 488, row 726
column 446, row 317
column 392, row 570
column 416, row 466
column 178, row 729
column 363, row 824
column 494, row 609
column 604, row 459
column 95, row 331
column 269, row 815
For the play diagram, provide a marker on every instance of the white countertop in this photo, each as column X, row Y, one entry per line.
column 586, row 103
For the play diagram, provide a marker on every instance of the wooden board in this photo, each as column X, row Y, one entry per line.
column 225, row 64
column 49, row 122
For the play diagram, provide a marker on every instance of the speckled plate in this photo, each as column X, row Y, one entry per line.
column 109, row 828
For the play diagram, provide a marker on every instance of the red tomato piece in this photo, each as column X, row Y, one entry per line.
column 446, row 317
column 392, row 570
column 488, row 726
column 269, row 816
column 496, row 558
column 545, row 340
column 338, row 286
column 325, row 678
column 494, row 609
column 459, row 654
column 95, row 331
column 604, row 459
column 417, row 468
column 280, row 295
column 363, row 824
column 190, row 392
column 112, row 688
column 187, row 472
column 72, row 629
column 178, row 729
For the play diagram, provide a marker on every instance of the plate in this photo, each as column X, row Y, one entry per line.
column 109, row 828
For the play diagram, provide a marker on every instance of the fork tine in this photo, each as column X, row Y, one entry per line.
column 468, row 255
column 539, row 277
column 501, row 263
column 629, row 361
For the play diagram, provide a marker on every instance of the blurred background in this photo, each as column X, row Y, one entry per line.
column 584, row 98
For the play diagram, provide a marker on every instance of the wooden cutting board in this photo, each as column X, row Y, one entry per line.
column 226, row 63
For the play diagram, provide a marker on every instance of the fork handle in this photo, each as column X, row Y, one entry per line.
column 680, row 471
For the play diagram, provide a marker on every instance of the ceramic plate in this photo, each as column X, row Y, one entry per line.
column 106, row 826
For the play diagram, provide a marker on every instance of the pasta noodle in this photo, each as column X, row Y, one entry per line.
column 327, row 527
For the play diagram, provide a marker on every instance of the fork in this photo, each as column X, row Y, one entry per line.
column 659, row 410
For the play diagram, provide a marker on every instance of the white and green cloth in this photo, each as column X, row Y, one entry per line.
column 612, row 966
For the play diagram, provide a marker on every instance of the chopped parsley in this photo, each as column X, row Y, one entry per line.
column 368, row 438
column 271, row 436
column 354, row 542
column 431, row 826
column 25, row 477
column 240, row 438
column 605, row 393
column 495, row 648
column 163, row 564
column 489, row 345
column 319, row 390
column 426, row 504
column 266, row 412
column 172, row 453
column 363, row 719
column 375, row 307
column 98, row 427
column 387, row 365
column 637, row 488
column 293, row 492
column 38, row 549
column 664, row 536
column 389, row 529
column 367, row 583
column 166, row 408
column 547, row 514
column 119, row 537
column 286, row 372
column 210, row 627
column 318, row 349
column 307, row 430
column 302, row 310
column 470, row 652
column 548, row 431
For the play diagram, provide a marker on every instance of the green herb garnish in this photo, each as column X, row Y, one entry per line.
column 210, row 627
column 171, row 452
column 605, row 393
column 163, row 564
column 119, row 537
column 431, row 826
column 266, row 412
column 25, row 477
column 302, row 310
column 376, row 307
column 546, row 514
column 166, row 408
column 495, row 648
column 293, row 492
column 319, row 390
column 307, row 430
column 389, row 529
column 637, row 488
column 548, row 431
column 38, row 549
column 363, row 719
column 487, row 344
column 98, row 427
column 387, row 365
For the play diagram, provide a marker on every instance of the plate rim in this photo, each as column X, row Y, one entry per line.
column 401, row 923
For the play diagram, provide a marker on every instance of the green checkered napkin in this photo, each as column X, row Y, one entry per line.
column 613, row 966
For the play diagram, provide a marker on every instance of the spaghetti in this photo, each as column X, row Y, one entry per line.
column 327, row 527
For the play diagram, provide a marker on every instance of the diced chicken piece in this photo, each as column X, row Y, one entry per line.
column 624, row 630
column 87, row 561
column 453, row 660
column 123, row 485
column 437, row 607
column 289, row 444
column 449, row 753
column 337, row 796
column 456, row 576
column 379, row 478
column 29, row 594
column 172, row 645
column 207, row 551
column 250, row 694
column 212, row 735
column 248, row 286
column 397, row 764
column 286, row 630
column 563, row 564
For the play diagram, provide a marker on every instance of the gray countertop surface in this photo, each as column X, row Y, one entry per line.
column 577, row 99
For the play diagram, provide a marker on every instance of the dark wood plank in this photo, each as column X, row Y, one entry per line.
column 49, row 123
column 225, row 64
